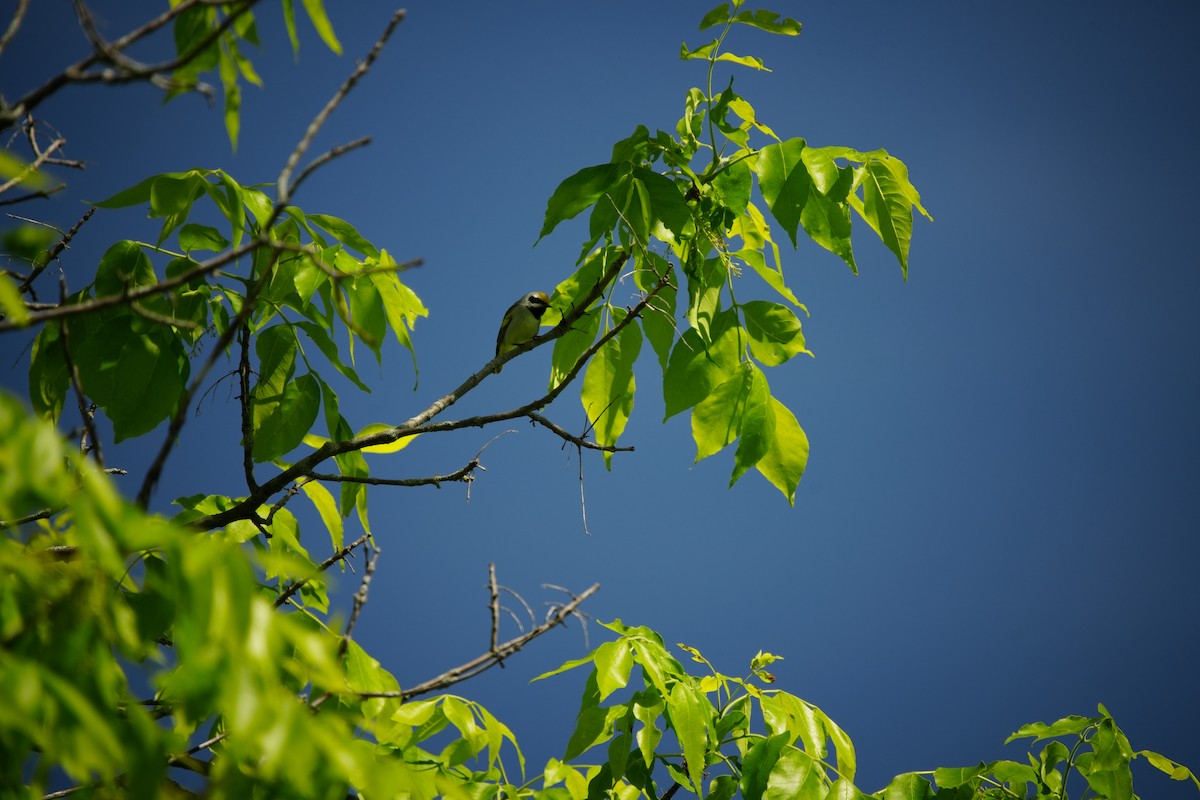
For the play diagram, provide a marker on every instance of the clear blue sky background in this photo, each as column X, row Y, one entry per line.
column 999, row 521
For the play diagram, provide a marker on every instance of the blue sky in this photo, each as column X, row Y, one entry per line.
column 999, row 520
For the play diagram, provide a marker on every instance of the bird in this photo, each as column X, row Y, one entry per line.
column 521, row 322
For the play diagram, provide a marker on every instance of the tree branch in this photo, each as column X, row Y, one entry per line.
column 284, row 185
column 53, row 253
column 420, row 423
column 202, row 268
column 14, row 24
column 180, row 415
column 578, row 441
column 489, row 659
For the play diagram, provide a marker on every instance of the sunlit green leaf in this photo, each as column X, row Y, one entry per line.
column 690, row 714
column 579, row 192
column 785, row 182
column 608, row 385
column 787, row 455
column 316, row 13
column 774, row 329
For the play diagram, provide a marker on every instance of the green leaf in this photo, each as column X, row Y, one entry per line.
column 613, row 661
column 578, row 192
column 717, row 419
column 757, row 426
column 828, row 224
column 135, row 195
column 718, row 16
column 608, row 385
column 909, row 786
column 49, row 377
column 667, row 205
column 784, row 462
column 951, row 777
column 316, row 13
column 887, row 203
column 201, row 237
column 11, row 303
column 843, row 789
column 345, row 233
column 285, row 422
column 774, row 330
column 137, row 376
column 327, row 508
column 401, row 308
column 658, row 319
column 1065, row 726
column 289, row 21
column 769, row 21
column 703, row 51
column 123, row 267
column 320, row 337
column 793, row 777
column 734, row 184
column 171, row 198
column 746, row 61
column 648, row 706
column 569, row 347
column 784, row 182
column 757, row 765
column 690, row 714
column 1173, row 769
column 694, row 369
column 590, row 723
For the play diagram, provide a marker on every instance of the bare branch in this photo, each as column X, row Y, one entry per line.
column 172, row 438
column 463, row 474
column 487, row 660
column 360, row 599
column 78, row 72
column 339, row 555
column 244, row 402
column 204, row 267
column 53, row 252
column 578, row 441
column 284, row 185
column 494, row 606
column 421, row 422
column 329, row 155
column 32, row 167
column 38, row 195
column 14, row 24
column 45, row 513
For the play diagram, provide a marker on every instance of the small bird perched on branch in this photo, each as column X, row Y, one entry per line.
column 521, row 322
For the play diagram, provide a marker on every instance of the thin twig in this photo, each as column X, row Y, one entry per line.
column 296, row 586
column 53, row 253
column 578, row 441
column 88, row 424
column 45, row 513
column 360, row 599
column 284, row 185
column 487, row 660
column 128, row 295
column 422, row 421
column 494, row 605
column 463, row 474
column 32, row 167
column 14, row 24
column 156, row 467
column 38, row 195
column 244, row 402
column 328, row 155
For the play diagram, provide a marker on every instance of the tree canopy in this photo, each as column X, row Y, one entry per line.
column 200, row 653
